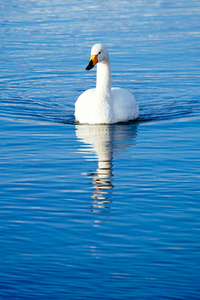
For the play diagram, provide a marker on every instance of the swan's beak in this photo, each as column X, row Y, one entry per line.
column 92, row 63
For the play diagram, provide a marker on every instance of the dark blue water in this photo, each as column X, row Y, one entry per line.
column 99, row 212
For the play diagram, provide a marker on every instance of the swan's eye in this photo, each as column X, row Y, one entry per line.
column 100, row 52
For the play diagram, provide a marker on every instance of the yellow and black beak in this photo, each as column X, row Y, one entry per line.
column 92, row 63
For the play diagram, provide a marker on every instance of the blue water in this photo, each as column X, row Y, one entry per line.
column 99, row 212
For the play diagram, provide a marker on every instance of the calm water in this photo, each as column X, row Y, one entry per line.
column 99, row 212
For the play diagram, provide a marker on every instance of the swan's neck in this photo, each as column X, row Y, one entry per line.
column 103, row 84
column 103, row 98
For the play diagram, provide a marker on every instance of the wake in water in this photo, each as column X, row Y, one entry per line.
column 31, row 110
column 167, row 109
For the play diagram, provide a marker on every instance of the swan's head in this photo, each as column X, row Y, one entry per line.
column 99, row 54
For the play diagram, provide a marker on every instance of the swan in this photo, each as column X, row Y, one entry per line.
column 104, row 104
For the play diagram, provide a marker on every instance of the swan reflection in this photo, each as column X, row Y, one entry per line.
column 105, row 140
column 102, row 186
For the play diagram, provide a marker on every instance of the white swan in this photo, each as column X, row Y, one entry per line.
column 104, row 105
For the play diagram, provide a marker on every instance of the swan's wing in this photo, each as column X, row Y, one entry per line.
column 124, row 105
column 82, row 104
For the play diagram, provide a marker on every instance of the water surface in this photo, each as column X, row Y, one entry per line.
column 103, row 211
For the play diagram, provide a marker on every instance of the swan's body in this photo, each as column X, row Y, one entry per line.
column 103, row 104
